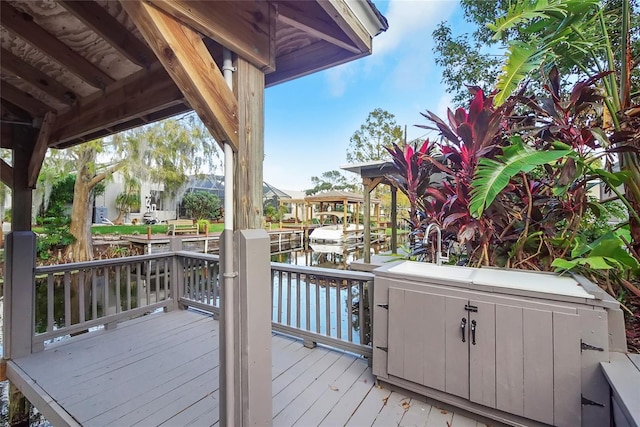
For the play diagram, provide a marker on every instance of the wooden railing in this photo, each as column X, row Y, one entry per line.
column 73, row 298
column 323, row 305
column 319, row 305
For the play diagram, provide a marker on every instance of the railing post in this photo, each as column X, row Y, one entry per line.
column 254, row 269
column 177, row 276
column 19, row 291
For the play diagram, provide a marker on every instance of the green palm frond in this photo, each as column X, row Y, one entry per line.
column 521, row 60
column 524, row 11
column 493, row 176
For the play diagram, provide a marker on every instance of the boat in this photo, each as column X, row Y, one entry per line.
column 337, row 232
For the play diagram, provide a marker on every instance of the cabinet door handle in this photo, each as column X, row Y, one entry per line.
column 473, row 332
column 463, row 324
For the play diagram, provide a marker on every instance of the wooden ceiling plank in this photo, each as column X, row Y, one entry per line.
column 111, row 30
column 40, row 148
column 342, row 14
column 315, row 57
column 22, row 25
column 314, row 26
column 244, row 27
column 188, row 62
column 141, row 93
column 14, row 65
column 23, row 100
column 6, row 174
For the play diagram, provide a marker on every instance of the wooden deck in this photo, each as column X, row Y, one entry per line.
column 162, row 369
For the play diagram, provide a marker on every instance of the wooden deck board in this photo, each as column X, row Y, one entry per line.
column 163, row 370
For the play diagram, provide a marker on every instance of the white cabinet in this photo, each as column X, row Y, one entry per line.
column 515, row 358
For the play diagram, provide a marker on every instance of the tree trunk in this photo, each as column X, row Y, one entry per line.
column 82, row 248
column 18, row 408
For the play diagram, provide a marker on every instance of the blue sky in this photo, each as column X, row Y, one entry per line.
column 309, row 121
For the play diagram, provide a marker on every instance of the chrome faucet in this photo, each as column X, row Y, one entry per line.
column 439, row 241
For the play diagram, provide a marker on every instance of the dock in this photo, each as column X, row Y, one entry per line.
column 162, row 369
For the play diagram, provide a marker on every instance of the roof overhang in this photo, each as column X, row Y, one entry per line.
column 87, row 65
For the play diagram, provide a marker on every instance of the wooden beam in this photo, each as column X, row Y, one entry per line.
column 23, row 100
column 22, row 25
column 248, row 85
column 110, row 29
column 315, row 26
column 11, row 64
column 139, row 94
column 187, row 60
column 40, row 149
column 246, row 28
column 315, row 57
column 13, row 112
column 6, row 174
column 342, row 14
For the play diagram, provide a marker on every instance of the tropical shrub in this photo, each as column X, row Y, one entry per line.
column 512, row 187
column 202, row 205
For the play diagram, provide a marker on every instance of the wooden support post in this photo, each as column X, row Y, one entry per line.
column 367, row 219
column 20, row 260
column 394, row 220
column 248, row 86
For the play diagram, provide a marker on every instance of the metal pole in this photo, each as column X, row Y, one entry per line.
column 229, row 384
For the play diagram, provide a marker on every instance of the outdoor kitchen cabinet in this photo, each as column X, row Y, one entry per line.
column 508, row 354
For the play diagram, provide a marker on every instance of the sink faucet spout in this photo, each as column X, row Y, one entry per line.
column 438, row 242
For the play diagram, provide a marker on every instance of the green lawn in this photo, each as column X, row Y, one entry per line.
column 134, row 229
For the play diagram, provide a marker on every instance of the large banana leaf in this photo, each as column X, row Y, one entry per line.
column 521, row 59
column 492, row 176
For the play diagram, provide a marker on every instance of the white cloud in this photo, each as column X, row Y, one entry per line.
column 402, row 54
column 408, row 18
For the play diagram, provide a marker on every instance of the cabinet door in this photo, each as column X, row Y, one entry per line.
column 425, row 340
column 482, row 353
column 457, row 348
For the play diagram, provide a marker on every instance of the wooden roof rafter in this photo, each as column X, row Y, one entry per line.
column 22, row 25
column 247, row 28
column 14, row 65
column 188, row 61
column 290, row 15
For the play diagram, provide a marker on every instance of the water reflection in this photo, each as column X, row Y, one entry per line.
column 339, row 256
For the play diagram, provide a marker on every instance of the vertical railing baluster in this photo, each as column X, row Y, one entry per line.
column 67, row 298
column 157, row 280
column 81, row 306
column 216, row 284
column 105, row 292
column 167, row 263
column 298, row 297
column 138, row 284
column 147, row 293
column 118, row 305
column 201, row 278
column 327, row 301
column 338, row 311
column 307, row 288
column 50, row 300
column 361, row 318
column 273, row 289
column 350, row 310
column 317, row 284
column 128, row 272
column 279, row 296
column 289, row 297
column 94, row 294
